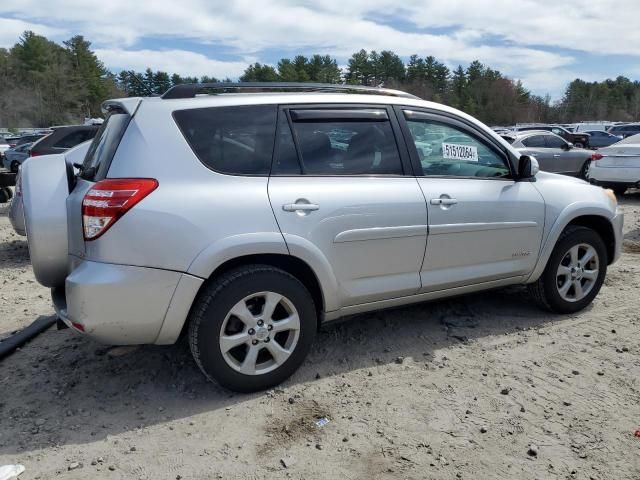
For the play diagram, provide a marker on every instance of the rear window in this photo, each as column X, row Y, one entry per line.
column 232, row 140
column 73, row 138
column 104, row 145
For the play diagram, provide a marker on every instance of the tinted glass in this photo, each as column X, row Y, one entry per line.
column 357, row 147
column 445, row 150
column 554, row 142
column 285, row 161
column 534, row 141
column 74, row 138
column 232, row 140
column 104, row 146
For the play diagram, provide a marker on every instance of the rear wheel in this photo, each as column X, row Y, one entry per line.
column 252, row 328
column 578, row 145
column 584, row 172
column 574, row 273
column 15, row 166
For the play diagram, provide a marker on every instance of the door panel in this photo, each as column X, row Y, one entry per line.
column 483, row 225
column 493, row 231
column 371, row 230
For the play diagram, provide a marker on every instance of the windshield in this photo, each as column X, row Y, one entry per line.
column 104, row 146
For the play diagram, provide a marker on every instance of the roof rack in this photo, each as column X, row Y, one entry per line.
column 190, row 90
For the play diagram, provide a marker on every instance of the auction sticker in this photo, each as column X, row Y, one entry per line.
column 460, row 152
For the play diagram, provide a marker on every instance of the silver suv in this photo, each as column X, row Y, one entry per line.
column 246, row 217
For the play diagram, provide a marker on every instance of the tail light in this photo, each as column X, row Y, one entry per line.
column 33, row 154
column 110, row 199
column 596, row 156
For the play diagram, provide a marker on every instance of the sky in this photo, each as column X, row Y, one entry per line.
column 544, row 43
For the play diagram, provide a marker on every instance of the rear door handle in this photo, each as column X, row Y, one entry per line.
column 300, row 207
column 556, row 155
column 443, row 201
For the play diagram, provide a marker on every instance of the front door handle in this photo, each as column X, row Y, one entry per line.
column 443, row 201
column 300, row 207
column 556, row 155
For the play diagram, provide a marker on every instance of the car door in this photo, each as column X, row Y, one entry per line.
column 484, row 226
column 343, row 195
column 536, row 146
column 567, row 160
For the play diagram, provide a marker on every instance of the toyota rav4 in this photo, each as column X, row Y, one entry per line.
column 246, row 215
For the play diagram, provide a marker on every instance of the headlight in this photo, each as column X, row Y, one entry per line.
column 611, row 195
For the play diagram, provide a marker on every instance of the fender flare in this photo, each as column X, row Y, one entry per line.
column 569, row 214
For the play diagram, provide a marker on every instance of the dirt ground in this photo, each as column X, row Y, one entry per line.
column 454, row 389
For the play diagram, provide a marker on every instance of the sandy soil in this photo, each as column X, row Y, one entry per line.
column 453, row 389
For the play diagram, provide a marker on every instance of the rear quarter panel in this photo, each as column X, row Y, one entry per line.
column 192, row 209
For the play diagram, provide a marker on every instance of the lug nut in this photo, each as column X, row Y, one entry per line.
column 260, row 323
column 251, row 331
column 254, row 342
column 270, row 327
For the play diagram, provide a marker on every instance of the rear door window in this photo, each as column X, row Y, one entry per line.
column 232, row 140
column 340, row 142
column 104, row 145
column 74, row 138
column 535, row 141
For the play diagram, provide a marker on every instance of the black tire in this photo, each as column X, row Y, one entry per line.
column 4, row 196
column 619, row 191
column 584, row 172
column 578, row 145
column 15, row 165
column 545, row 290
column 8, row 192
column 215, row 302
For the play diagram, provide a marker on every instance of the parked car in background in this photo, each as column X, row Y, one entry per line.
column 31, row 138
column 554, row 153
column 14, row 157
column 246, row 221
column 600, row 138
column 580, row 140
column 4, row 146
column 626, row 130
column 12, row 141
column 588, row 127
column 618, row 166
column 63, row 138
column 16, row 211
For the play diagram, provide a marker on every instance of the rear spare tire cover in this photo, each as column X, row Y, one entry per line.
column 45, row 189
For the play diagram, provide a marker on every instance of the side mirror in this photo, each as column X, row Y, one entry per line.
column 528, row 167
column 568, row 146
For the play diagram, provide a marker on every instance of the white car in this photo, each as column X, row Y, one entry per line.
column 617, row 166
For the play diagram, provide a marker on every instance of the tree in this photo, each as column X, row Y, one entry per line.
column 259, row 73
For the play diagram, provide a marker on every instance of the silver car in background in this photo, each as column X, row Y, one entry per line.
column 246, row 220
column 554, row 153
column 16, row 213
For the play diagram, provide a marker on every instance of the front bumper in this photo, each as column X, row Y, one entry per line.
column 116, row 304
column 618, row 222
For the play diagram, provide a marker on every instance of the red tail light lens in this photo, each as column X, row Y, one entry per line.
column 110, row 199
column 33, row 154
column 596, row 156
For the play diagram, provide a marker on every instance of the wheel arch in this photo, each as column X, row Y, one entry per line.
column 597, row 218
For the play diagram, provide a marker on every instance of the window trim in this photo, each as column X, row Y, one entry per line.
column 405, row 161
column 460, row 124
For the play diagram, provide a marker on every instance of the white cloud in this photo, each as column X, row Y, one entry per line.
column 517, row 37
column 182, row 61
column 11, row 29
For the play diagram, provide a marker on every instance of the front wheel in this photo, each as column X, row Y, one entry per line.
column 574, row 273
column 15, row 166
column 252, row 328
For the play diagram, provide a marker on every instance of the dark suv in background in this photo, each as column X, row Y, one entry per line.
column 63, row 138
column 579, row 139
column 625, row 131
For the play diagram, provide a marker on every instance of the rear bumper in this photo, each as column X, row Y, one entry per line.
column 120, row 304
column 622, row 176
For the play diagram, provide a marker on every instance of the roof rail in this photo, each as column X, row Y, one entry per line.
column 190, row 90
